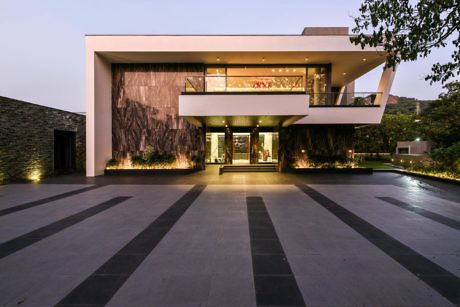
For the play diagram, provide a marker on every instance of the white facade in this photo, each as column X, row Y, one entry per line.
column 347, row 60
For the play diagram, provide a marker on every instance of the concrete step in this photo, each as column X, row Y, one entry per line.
column 248, row 168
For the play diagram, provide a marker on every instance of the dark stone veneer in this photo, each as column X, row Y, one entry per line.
column 27, row 138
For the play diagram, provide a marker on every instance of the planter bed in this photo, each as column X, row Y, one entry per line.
column 359, row 170
column 131, row 172
column 409, row 173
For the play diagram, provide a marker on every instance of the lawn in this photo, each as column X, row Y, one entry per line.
column 375, row 165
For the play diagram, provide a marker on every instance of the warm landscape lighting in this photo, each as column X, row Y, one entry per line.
column 417, row 139
column 34, row 176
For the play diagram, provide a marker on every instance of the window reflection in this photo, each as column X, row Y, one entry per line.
column 255, row 79
column 317, row 85
column 268, row 147
column 215, row 147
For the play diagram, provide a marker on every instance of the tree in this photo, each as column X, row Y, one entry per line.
column 384, row 137
column 441, row 119
column 408, row 31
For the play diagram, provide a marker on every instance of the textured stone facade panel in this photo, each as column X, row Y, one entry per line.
column 27, row 138
column 145, row 101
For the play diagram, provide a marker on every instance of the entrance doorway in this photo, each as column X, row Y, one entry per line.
column 241, row 147
column 64, row 151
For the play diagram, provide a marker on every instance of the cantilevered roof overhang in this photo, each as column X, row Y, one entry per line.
column 349, row 62
column 244, row 110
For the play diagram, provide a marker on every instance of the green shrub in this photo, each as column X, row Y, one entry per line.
column 112, row 163
column 137, row 160
column 448, row 158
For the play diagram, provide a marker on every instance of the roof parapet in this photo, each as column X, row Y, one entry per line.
column 324, row 31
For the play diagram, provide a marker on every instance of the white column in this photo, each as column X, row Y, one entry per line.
column 386, row 81
column 98, row 113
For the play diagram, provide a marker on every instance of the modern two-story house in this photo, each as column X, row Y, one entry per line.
column 233, row 99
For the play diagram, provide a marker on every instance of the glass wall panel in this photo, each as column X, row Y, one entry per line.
column 241, row 148
column 216, row 79
column 268, row 147
column 317, row 85
column 256, row 79
column 215, row 147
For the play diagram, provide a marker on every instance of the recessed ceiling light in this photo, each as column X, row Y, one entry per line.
column 280, row 70
column 306, row 59
column 287, row 70
column 263, row 59
column 344, row 73
column 218, row 59
column 294, row 70
column 364, row 60
column 273, row 70
column 260, row 121
column 223, row 122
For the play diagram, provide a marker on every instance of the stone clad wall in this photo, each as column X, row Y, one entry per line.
column 145, row 101
column 27, row 138
column 304, row 144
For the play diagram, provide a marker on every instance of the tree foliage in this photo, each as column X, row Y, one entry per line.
column 409, row 31
column 384, row 137
column 439, row 123
column 441, row 119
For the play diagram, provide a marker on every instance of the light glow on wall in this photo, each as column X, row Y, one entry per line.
column 34, row 175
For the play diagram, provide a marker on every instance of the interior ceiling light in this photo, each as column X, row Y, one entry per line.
column 273, row 70
column 364, row 60
column 218, row 59
column 294, row 70
column 306, row 59
column 344, row 73
column 263, row 59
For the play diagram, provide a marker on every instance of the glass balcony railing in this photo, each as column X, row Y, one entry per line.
column 249, row 84
column 338, row 99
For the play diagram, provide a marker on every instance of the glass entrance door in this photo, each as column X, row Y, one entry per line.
column 241, row 148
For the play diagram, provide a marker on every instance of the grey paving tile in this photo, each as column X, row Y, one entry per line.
column 79, row 250
column 15, row 194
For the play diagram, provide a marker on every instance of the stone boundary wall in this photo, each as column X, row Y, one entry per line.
column 27, row 139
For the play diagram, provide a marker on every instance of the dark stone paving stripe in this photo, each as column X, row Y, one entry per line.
column 441, row 280
column 101, row 286
column 46, row 200
column 32, row 237
column 425, row 213
column 274, row 281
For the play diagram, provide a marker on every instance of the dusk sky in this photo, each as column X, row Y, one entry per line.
column 42, row 42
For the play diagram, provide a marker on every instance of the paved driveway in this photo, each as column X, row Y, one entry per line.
column 372, row 240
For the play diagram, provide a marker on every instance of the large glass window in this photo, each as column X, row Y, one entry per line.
column 268, row 147
column 241, row 148
column 215, row 147
column 255, row 79
column 317, row 85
